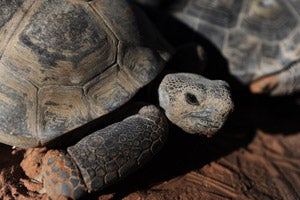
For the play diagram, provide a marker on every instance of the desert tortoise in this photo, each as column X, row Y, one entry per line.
column 64, row 63
column 259, row 38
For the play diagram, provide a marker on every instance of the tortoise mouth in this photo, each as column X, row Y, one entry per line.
column 201, row 123
column 206, row 123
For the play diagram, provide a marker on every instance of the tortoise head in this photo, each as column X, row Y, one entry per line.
column 195, row 104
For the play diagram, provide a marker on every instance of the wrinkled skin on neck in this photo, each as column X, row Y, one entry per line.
column 195, row 104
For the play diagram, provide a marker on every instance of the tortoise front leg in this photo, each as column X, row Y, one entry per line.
column 105, row 156
column 283, row 83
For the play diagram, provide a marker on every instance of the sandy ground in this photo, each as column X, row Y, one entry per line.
column 255, row 156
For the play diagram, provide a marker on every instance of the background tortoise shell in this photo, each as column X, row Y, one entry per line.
column 258, row 37
column 64, row 63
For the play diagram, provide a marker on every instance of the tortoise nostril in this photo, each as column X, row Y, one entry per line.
column 191, row 99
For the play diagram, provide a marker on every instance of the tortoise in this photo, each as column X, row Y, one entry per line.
column 260, row 39
column 66, row 63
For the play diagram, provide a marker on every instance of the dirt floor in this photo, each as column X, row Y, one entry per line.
column 255, row 156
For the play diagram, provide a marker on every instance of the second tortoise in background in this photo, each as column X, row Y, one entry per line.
column 259, row 38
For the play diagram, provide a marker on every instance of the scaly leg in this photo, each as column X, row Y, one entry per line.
column 105, row 156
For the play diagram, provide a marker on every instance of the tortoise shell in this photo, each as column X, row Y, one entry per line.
column 258, row 37
column 64, row 63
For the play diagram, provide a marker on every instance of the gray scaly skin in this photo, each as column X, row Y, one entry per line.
column 195, row 103
column 105, row 156
column 190, row 101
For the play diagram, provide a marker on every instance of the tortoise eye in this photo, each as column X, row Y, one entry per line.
column 191, row 99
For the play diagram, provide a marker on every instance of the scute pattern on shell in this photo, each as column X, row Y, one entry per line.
column 258, row 37
column 50, row 24
column 64, row 63
column 8, row 9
